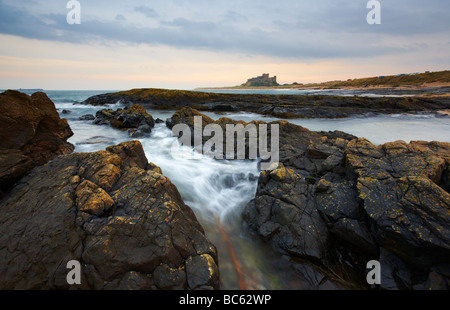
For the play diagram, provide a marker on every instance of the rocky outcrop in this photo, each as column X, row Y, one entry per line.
column 31, row 134
column 113, row 212
column 337, row 202
column 284, row 106
column 134, row 119
column 186, row 116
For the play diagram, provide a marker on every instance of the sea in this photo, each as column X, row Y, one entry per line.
column 218, row 190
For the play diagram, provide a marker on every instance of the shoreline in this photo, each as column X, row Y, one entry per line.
column 283, row 106
column 316, row 87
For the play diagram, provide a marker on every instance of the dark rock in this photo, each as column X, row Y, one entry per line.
column 32, row 133
column 397, row 185
column 87, row 117
column 133, row 281
column 283, row 106
column 113, row 212
column 134, row 119
column 436, row 281
column 337, row 197
column 167, row 278
column 186, row 116
column 202, row 272
column 282, row 214
column 66, row 112
column 356, row 235
column 395, row 275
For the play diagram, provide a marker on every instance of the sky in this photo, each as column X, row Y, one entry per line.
column 184, row 44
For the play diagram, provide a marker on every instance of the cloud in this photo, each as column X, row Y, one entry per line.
column 120, row 17
column 286, row 29
column 146, row 11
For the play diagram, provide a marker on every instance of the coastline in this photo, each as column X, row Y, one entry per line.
column 349, row 189
column 290, row 106
column 324, row 87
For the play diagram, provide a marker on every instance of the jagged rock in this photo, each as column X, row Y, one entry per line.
column 363, row 202
column 282, row 214
column 31, row 134
column 116, row 214
column 186, row 116
column 134, row 119
column 398, row 188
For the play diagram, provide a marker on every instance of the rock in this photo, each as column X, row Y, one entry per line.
column 339, row 201
column 134, row 281
column 92, row 199
column 134, row 119
column 202, row 272
column 32, row 133
column 282, row 215
column 436, row 281
column 186, row 116
column 395, row 275
column 66, row 112
column 356, row 234
column 167, row 278
column 113, row 212
column 398, row 188
column 87, row 117
column 283, row 106
column 96, row 140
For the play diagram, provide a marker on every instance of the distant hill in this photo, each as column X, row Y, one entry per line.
column 399, row 80
column 414, row 79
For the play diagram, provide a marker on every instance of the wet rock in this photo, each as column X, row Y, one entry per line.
column 186, row 116
column 398, row 188
column 96, row 140
column 116, row 214
column 364, row 202
column 202, row 272
column 134, row 119
column 282, row 214
column 283, row 106
column 87, row 117
column 32, row 133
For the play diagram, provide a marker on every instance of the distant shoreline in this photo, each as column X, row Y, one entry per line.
column 400, row 81
column 315, row 87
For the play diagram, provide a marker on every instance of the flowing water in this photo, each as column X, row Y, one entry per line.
column 217, row 190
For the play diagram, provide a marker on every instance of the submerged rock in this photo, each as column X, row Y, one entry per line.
column 113, row 212
column 31, row 134
column 87, row 117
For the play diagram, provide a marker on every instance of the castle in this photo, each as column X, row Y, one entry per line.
column 263, row 80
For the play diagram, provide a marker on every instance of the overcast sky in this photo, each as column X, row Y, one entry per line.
column 195, row 43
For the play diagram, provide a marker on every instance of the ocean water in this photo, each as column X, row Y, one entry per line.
column 217, row 191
